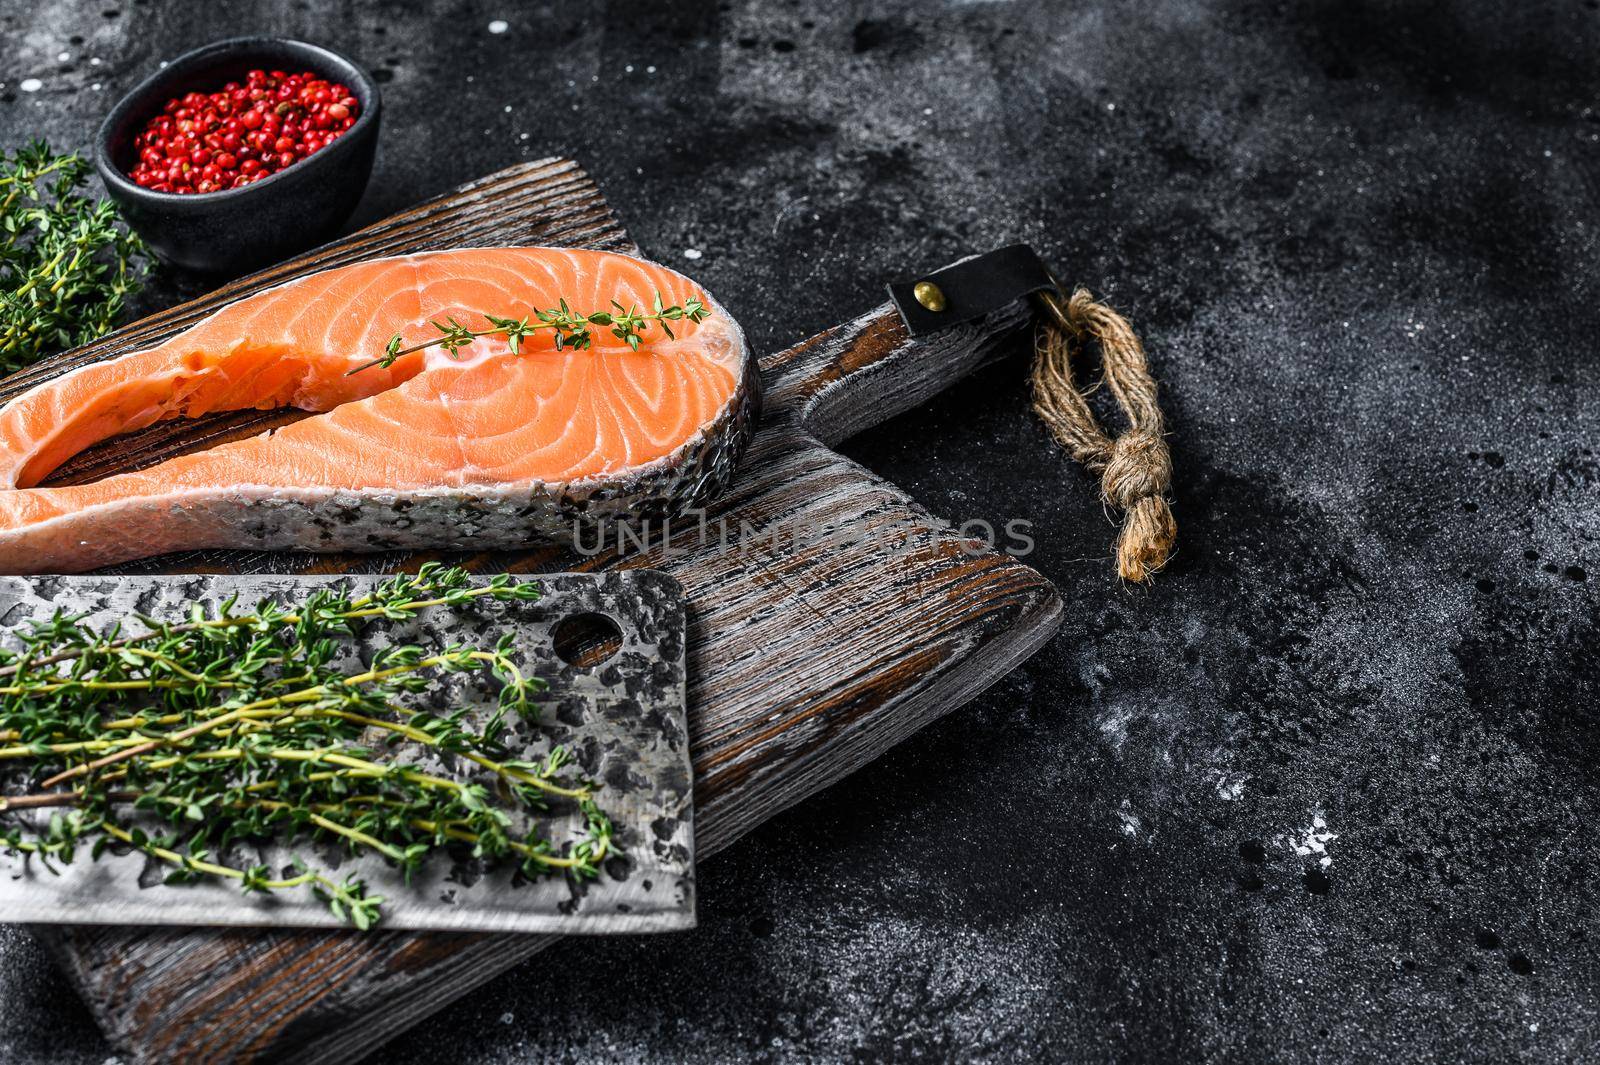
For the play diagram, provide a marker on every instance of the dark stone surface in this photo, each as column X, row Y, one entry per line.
column 1362, row 241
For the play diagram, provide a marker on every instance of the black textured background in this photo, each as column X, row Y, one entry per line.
column 1362, row 240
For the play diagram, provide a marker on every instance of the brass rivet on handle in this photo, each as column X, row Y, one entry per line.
column 929, row 295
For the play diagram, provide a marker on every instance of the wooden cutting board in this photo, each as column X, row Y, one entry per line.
column 807, row 659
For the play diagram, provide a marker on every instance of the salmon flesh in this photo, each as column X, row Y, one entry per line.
column 489, row 448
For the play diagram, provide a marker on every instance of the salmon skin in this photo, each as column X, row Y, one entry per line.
column 486, row 449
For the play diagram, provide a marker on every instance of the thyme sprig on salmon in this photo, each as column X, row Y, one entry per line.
column 571, row 329
column 194, row 741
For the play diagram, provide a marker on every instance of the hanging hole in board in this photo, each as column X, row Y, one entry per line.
column 586, row 639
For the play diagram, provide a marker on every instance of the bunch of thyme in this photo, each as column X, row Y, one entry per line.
column 570, row 329
column 243, row 728
column 67, row 267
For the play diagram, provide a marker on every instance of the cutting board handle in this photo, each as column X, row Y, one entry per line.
column 864, row 372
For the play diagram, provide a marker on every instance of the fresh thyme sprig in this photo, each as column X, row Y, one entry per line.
column 186, row 741
column 67, row 266
column 571, row 329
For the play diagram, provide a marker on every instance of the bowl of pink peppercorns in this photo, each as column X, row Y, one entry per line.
column 243, row 152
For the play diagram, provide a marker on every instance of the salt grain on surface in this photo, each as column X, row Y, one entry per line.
column 1312, row 841
column 499, row 25
column 31, row 85
column 1129, row 820
column 692, row 253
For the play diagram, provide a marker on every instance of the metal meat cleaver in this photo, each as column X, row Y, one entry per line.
column 621, row 717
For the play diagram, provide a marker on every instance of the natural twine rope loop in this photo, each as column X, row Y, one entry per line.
column 1136, row 468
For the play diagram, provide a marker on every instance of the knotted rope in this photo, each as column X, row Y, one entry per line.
column 1135, row 468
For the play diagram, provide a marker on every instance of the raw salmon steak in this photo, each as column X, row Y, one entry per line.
column 486, row 448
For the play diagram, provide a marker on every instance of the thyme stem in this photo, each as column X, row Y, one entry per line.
column 570, row 329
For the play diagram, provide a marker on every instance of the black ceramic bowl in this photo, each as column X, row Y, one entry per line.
column 235, row 230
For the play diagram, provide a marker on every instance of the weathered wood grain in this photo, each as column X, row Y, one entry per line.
column 807, row 660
